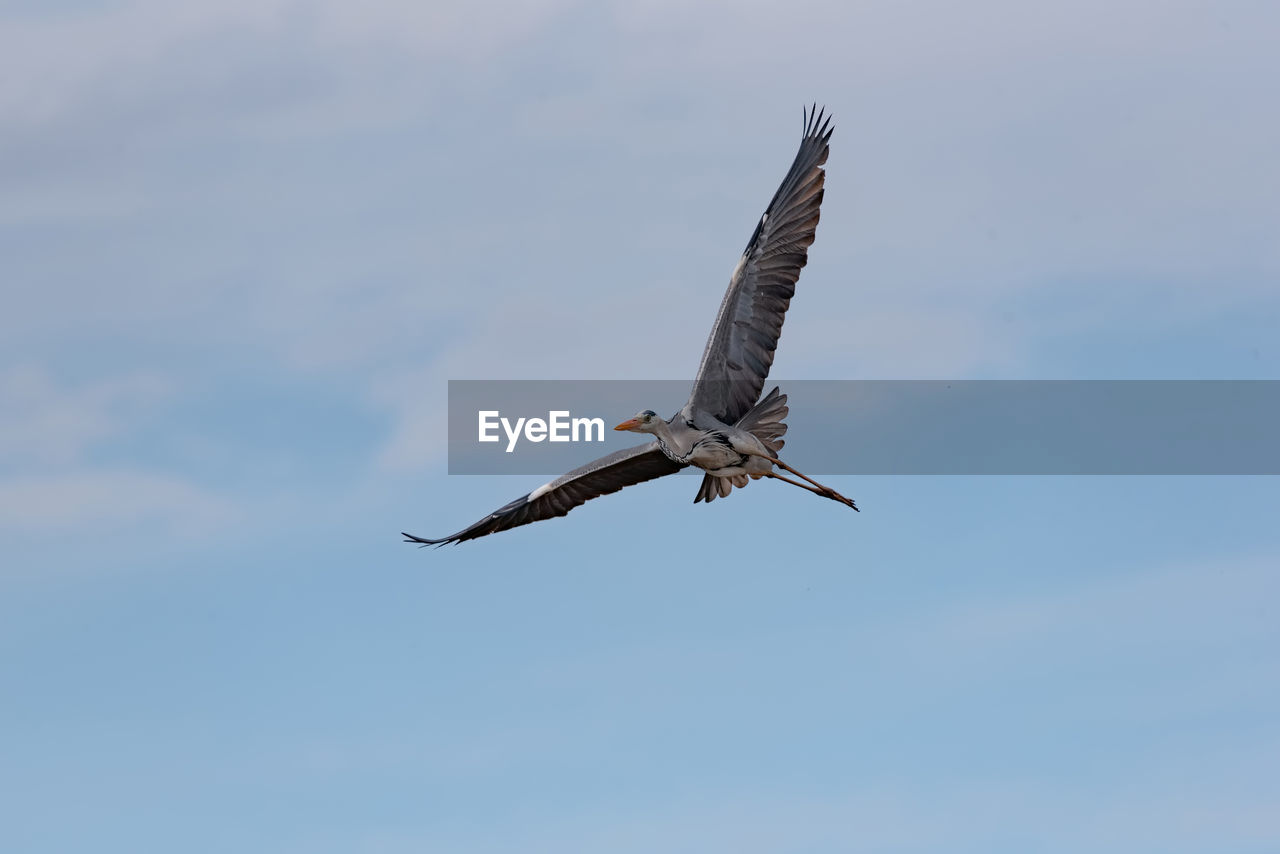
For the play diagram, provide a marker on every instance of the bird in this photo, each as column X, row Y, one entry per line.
column 726, row 428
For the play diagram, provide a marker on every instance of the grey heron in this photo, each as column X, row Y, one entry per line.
column 726, row 428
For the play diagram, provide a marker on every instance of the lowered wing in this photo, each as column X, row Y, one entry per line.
column 600, row 477
column 740, row 349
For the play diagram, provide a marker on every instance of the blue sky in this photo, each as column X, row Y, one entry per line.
column 247, row 244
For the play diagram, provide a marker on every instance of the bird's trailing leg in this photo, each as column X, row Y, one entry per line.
column 821, row 489
column 785, row 479
column 828, row 493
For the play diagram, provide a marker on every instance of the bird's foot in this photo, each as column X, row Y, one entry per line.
column 835, row 496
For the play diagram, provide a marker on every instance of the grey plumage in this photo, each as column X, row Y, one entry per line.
column 739, row 351
column 765, row 422
column 725, row 428
column 600, row 477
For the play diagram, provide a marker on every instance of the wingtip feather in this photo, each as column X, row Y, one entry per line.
column 817, row 123
column 422, row 542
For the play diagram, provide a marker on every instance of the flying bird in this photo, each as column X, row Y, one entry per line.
column 726, row 428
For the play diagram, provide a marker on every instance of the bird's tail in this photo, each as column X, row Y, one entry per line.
column 765, row 422
column 718, row 487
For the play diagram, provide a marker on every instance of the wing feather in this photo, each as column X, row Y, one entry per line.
column 608, row 474
column 739, row 352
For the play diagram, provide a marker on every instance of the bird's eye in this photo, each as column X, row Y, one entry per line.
column 648, row 418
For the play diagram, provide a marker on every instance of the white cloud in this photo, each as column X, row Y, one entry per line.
column 54, row 67
column 417, row 402
column 48, row 433
column 44, row 423
column 552, row 193
column 94, row 502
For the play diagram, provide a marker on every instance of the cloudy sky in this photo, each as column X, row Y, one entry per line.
column 246, row 245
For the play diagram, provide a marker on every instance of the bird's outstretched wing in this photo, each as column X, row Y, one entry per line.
column 600, row 477
column 740, row 349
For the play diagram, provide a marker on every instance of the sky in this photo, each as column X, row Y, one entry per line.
column 246, row 245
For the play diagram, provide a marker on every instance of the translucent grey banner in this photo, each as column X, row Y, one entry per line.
column 968, row 427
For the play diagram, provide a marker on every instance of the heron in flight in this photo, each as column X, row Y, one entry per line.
column 726, row 428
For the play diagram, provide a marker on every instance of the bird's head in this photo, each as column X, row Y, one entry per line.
column 643, row 422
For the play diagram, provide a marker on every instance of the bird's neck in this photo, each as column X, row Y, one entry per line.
column 670, row 443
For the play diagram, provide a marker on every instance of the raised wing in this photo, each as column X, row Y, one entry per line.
column 740, row 349
column 601, row 477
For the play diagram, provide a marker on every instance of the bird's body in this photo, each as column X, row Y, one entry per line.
column 715, row 448
column 726, row 428
column 723, row 454
column 728, row 453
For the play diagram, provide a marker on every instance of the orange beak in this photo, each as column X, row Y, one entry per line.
column 629, row 424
